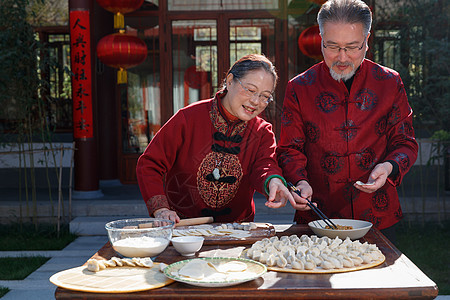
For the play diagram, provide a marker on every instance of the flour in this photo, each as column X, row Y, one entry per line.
column 141, row 246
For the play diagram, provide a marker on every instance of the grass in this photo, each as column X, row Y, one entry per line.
column 28, row 237
column 18, row 268
column 428, row 248
column 22, row 237
column 3, row 291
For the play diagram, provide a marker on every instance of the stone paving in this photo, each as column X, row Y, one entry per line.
column 37, row 285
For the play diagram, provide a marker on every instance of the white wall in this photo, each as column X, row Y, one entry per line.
column 9, row 155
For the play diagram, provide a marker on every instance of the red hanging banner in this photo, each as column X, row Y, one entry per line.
column 80, row 54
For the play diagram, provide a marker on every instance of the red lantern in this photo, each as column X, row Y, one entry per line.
column 195, row 78
column 122, row 51
column 119, row 8
column 310, row 41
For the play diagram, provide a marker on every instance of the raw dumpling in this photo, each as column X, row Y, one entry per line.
column 264, row 256
column 302, row 250
column 162, row 266
column 366, row 257
column 297, row 264
column 314, row 238
column 284, row 238
column 288, row 252
column 110, row 263
column 118, row 261
column 143, row 261
column 281, row 261
column 128, row 262
column 277, row 245
column 309, row 261
column 313, row 251
column 327, row 265
column 256, row 254
column 357, row 261
column 93, row 265
column 347, row 262
column 273, row 239
column 272, row 260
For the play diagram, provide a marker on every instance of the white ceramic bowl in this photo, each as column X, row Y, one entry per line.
column 130, row 240
column 187, row 245
column 360, row 228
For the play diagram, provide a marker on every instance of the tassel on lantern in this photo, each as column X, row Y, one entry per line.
column 119, row 20
column 119, row 8
column 121, row 76
column 121, row 51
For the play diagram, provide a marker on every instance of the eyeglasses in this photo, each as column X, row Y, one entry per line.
column 266, row 98
column 348, row 50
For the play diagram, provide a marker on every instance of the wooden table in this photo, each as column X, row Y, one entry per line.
column 396, row 278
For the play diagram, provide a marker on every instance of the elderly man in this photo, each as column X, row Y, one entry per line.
column 347, row 138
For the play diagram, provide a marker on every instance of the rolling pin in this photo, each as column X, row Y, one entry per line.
column 185, row 222
column 195, row 221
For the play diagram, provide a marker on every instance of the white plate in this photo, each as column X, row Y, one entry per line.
column 256, row 269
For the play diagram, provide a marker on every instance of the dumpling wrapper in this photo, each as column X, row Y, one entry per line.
column 197, row 269
column 362, row 183
column 232, row 266
column 239, row 234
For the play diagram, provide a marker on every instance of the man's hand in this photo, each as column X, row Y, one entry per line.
column 376, row 179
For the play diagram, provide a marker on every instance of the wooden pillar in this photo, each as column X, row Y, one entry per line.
column 108, row 119
column 86, row 179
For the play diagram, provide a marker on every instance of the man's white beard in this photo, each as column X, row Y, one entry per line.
column 338, row 77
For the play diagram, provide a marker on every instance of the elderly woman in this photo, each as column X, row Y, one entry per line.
column 211, row 156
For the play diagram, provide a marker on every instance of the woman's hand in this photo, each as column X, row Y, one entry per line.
column 278, row 194
column 165, row 213
column 306, row 191
column 377, row 178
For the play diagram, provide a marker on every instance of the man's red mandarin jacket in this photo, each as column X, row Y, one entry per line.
column 332, row 138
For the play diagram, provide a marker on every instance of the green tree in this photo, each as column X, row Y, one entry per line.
column 423, row 27
column 21, row 104
column 47, row 12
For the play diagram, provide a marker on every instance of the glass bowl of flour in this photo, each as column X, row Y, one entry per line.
column 142, row 237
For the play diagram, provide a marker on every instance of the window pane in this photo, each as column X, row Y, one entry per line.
column 387, row 47
column 252, row 36
column 141, row 116
column 194, row 59
column 60, row 88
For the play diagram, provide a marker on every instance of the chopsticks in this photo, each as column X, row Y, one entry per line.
column 314, row 208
